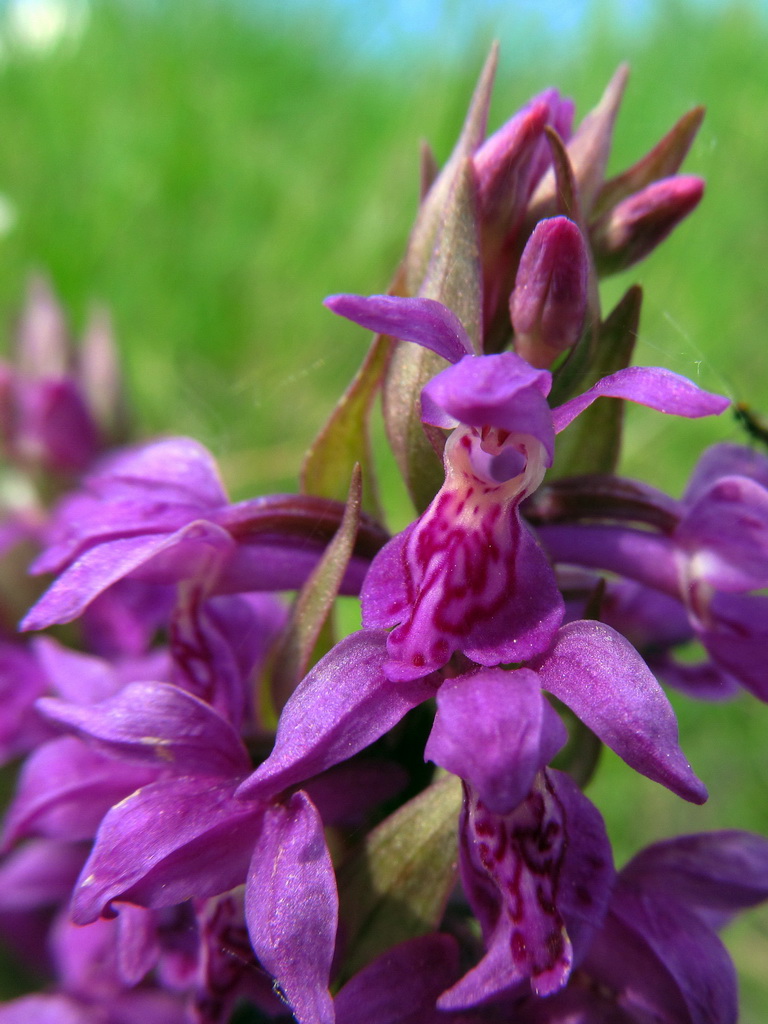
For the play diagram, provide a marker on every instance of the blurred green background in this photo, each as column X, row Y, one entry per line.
column 211, row 171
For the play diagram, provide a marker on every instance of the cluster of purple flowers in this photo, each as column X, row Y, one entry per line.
column 224, row 812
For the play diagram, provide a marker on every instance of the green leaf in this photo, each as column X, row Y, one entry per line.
column 314, row 602
column 396, row 886
column 421, row 245
column 345, row 438
column 452, row 277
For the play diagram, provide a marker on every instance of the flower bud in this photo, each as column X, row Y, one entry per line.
column 503, row 165
column 548, row 302
column 634, row 227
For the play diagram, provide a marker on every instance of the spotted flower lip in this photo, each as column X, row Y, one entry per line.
column 539, row 880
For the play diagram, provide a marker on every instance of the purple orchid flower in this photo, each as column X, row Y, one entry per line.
column 182, row 833
column 90, row 987
column 657, row 956
column 159, row 513
column 694, row 574
column 468, row 576
column 493, row 727
column 22, row 681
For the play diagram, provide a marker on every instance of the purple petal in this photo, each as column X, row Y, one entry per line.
column 402, row 985
column 56, row 425
column 342, row 705
column 39, row 874
column 227, row 971
column 663, row 960
column 469, row 577
column 735, row 634
column 539, row 880
column 648, row 558
column 138, row 941
column 82, row 521
column 506, row 164
column 385, row 596
column 86, row 959
column 292, row 907
column 726, row 533
column 157, row 724
column 155, row 488
column 637, row 224
column 702, row 681
column 65, row 789
column 715, row 874
column 423, row 321
column 217, row 644
column 648, row 619
column 588, row 874
column 170, row 841
column 549, row 299
column 179, row 468
column 22, row 681
column 165, row 558
column 648, row 385
column 81, row 678
column 53, row 1009
column 123, row 621
column 347, row 793
column 726, row 460
column 606, row 683
column 501, row 391
column 494, row 730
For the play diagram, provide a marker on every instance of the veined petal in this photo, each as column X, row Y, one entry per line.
column 604, row 681
column 291, row 906
column 539, row 880
column 167, row 557
column 495, row 730
column 469, row 577
column 715, row 874
column 343, row 705
column 647, row 385
column 424, row 321
column 170, row 841
column 157, row 724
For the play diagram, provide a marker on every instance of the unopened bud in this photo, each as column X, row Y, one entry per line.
column 100, row 378
column 630, row 231
column 503, row 165
column 549, row 300
column 43, row 344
